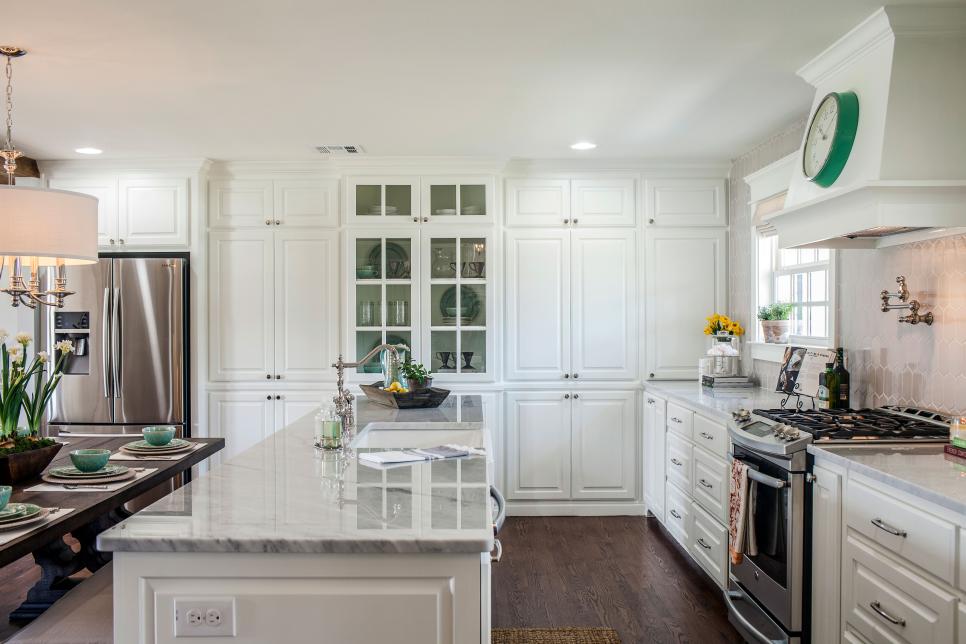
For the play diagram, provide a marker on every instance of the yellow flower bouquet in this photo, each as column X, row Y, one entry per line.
column 718, row 323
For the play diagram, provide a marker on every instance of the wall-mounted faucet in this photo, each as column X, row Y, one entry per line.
column 914, row 317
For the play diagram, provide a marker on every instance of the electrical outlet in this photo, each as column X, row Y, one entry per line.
column 204, row 617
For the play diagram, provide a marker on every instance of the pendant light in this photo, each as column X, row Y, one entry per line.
column 38, row 227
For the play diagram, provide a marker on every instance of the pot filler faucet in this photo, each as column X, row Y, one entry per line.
column 343, row 399
column 913, row 306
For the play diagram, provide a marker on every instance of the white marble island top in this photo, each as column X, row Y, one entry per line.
column 284, row 496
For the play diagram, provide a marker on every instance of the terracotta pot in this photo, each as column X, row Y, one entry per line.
column 25, row 466
column 775, row 331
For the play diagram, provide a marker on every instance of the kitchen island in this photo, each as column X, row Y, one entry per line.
column 287, row 543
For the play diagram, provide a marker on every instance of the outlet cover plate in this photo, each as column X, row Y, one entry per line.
column 224, row 605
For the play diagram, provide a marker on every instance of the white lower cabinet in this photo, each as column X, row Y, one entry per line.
column 679, row 460
column 710, row 483
column 655, row 410
column 826, row 555
column 709, row 545
column 571, row 445
column 679, row 515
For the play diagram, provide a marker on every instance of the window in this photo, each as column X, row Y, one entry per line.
column 802, row 277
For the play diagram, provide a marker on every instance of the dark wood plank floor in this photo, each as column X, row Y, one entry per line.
column 622, row 572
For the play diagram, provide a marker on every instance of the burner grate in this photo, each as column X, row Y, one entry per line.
column 862, row 424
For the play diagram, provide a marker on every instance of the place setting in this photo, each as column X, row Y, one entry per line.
column 89, row 472
column 19, row 518
column 158, row 444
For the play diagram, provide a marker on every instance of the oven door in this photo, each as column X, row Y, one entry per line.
column 773, row 576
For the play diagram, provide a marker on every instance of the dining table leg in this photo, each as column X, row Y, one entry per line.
column 90, row 557
column 57, row 562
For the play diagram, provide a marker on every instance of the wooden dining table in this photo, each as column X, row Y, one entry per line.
column 93, row 512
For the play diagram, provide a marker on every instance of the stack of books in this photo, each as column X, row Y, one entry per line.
column 727, row 382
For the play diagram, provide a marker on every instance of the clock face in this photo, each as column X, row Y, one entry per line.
column 831, row 134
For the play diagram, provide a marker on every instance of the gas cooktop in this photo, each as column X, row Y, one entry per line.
column 882, row 424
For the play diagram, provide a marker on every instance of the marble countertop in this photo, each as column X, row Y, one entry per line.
column 921, row 470
column 715, row 403
column 283, row 495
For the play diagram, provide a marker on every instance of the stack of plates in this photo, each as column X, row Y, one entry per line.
column 471, row 210
column 144, row 448
column 110, row 473
column 16, row 515
column 445, row 211
column 377, row 210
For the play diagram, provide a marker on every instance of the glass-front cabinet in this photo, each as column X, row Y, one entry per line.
column 408, row 200
column 382, row 200
column 457, row 199
column 431, row 291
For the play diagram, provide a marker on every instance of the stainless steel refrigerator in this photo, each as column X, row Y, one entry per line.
column 128, row 322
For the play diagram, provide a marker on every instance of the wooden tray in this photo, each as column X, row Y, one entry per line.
column 415, row 399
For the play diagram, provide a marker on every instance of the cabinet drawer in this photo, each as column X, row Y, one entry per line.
column 678, row 465
column 678, row 515
column 710, row 435
column 710, row 484
column 679, row 419
column 922, row 538
column 887, row 602
column 709, row 545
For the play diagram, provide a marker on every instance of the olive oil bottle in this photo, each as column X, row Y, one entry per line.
column 825, row 398
column 843, row 385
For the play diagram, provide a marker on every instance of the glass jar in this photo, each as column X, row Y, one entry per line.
column 724, row 354
column 328, row 428
column 957, row 432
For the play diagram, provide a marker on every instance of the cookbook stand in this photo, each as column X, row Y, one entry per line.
column 799, row 402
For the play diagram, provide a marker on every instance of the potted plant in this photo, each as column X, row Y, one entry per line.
column 775, row 323
column 26, row 388
column 417, row 375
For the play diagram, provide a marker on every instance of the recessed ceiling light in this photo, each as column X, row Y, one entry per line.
column 583, row 145
column 88, row 150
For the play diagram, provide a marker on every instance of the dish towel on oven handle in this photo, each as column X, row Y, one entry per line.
column 741, row 525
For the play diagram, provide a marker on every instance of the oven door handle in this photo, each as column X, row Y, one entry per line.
column 730, row 596
column 764, row 479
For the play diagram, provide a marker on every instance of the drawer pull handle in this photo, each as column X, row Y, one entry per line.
column 707, row 436
column 888, row 528
column 706, row 484
column 703, row 544
column 675, row 514
column 677, row 462
column 877, row 607
column 676, row 419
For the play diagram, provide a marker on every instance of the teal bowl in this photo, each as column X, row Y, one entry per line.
column 5, row 492
column 89, row 460
column 158, row 435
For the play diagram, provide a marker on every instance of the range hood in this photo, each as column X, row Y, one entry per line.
column 905, row 179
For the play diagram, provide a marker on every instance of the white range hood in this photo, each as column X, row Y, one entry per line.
column 905, row 179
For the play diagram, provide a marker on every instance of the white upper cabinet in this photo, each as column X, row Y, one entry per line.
column 685, row 202
column 602, row 202
column 241, row 305
column 604, row 445
column 686, row 282
column 537, row 330
column 153, row 212
column 537, row 202
column 458, row 199
column 382, row 200
column 604, row 311
column 105, row 190
column 257, row 203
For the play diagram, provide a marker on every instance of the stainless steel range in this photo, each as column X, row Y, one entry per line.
column 768, row 592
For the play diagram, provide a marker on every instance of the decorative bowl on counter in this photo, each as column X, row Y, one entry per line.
column 415, row 399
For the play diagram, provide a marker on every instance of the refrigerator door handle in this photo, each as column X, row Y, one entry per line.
column 104, row 342
column 116, row 343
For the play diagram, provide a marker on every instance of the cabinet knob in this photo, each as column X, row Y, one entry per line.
column 575, row 220
column 576, row 396
column 111, row 241
column 425, row 219
column 650, row 401
column 566, row 221
column 650, row 221
column 415, row 220
column 268, row 397
column 566, row 396
column 278, row 222
column 575, row 374
column 121, row 240
column 268, row 222
column 566, row 375
column 268, row 376
column 277, row 397
column 650, row 375
column 278, row 376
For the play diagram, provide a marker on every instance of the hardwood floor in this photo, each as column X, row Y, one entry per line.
column 622, row 572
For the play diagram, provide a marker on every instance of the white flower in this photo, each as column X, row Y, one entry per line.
column 4, row 335
column 42, row 356
column 24, row 338
column 16, row 354
column 65, row 346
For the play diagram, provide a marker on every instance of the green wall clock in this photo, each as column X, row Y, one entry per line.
column 830, row 137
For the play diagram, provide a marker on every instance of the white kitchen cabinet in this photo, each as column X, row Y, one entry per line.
column 571, row 305
column 538, row 305
column 153, row 212
column 710, row 484
column 104, row 189
column 272, row 305
column 685, row 202
column 604, row 445
column 654, row 447
column 458, row 199
column 679, row 462
column 538, row 445
column 603, row 202
column 826, row 555
column 686, row 282
column 257, row 203
column 709, row 545
column 383, row 201
column 680, row 516
column 242, row 418
column 537, row 202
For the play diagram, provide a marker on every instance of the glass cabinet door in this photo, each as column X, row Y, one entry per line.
column 382, row 299
column 382, row 200
column 457, row 199
column 456, row 307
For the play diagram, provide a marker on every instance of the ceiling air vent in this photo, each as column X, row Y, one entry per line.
column 340, row 149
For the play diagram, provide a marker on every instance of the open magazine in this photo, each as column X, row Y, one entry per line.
column 415, row 455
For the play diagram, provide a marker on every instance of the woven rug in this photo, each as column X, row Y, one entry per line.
column 554, row 636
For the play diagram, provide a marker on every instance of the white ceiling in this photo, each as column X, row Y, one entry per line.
column 257, row 79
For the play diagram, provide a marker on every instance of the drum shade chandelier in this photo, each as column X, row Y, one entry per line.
column 38, row 227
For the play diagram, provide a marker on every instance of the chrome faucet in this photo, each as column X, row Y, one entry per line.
column 914, row 317
column 343, row 399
